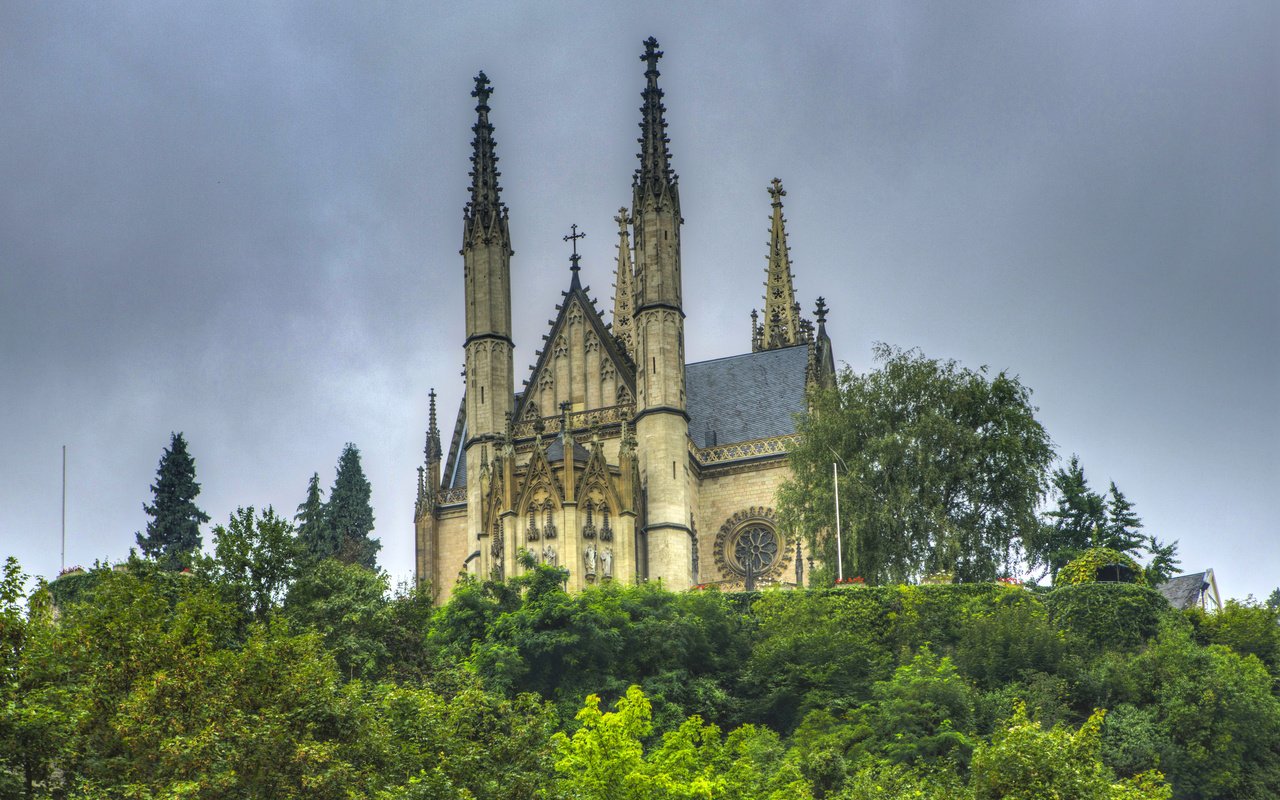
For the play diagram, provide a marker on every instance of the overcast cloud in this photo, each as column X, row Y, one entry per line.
column 242, row 222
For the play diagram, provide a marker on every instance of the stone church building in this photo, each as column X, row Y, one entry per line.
column 616, row 460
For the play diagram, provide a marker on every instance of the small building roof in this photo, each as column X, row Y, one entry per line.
column 1191, row 591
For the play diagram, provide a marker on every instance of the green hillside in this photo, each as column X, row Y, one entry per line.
column 143, row 683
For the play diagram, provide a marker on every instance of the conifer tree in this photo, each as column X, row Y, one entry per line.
column 1123, row 526
column 174, row 530
column 348, row 513
column 1078, row 523
column 316, row 538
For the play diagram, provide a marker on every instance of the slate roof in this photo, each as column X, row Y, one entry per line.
column 751, row 396
column 1185, row 591
column 555, row 452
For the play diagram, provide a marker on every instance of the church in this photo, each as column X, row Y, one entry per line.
column 616, row 460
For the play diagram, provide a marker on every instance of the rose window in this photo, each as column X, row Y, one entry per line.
column 755, row 550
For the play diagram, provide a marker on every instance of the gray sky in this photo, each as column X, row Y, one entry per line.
column 242, row 222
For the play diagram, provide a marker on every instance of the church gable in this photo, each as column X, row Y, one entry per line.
column 580, row 364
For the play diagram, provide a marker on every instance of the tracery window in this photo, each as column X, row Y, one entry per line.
column 755, row 549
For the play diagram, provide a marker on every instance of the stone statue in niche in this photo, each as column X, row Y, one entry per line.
column 606, row 563
column 589, row 557
column 549, row 556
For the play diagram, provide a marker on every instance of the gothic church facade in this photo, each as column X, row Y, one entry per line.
column 617, row 460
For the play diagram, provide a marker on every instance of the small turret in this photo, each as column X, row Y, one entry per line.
column 783, row 326
column 624, row 288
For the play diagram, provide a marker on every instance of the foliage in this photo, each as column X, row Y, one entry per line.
column 317, row 539
column 1100, row 564
column 1215, row 712
column 564, row 646
column 605, row 759
column 1247, row 628
column 923, row 715
column 255, row 560
column 1107, row 615
column 1121, row 531
column 347, row 605
column 173, row 534
column 348, row 515
column 148, row 683
column 943, row 469
column 1163, row 563
column 1026, row 762
column 1071, row 527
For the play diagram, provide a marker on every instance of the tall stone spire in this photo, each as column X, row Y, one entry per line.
column 624, row 287
column 654, row 176
column 485, row 215
column 782, row 325
column 662, row 422
column 490, row 377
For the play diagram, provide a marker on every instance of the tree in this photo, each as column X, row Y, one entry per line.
column 347, row 605
column 1164, row 561
column 348, row 514
column 255, row 559
column 1273, row 600
column 1073, row 526
column 944, row 468
column 1026, row 762
column 173, row 533
column 316, row 538
column 1121, row 531
column 605, row 759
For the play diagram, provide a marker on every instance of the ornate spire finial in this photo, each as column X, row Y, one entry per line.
column 820, row 312
column 655, row 174
column 777, row 192
column 782, row 320
column 485, row 206
column 651, row 56
column 574, row 236
column 482, row 91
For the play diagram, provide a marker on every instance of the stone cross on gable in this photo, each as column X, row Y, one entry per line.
column 574, row 237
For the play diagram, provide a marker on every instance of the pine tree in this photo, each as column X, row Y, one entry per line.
column 173, row 533
column 1122, row 527
column 1078, row 523
column 1164, row 560
column 348, row 513
column 316, row 538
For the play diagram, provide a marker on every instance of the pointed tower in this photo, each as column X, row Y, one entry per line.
column 486, row 256
column 624, row 288
column 426, row 552
column 782, row 325
column 824, row 361
column 662, row 423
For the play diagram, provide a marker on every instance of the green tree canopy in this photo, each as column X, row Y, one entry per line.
column 943, row 469
column 348, row 514
column 255, row 559
column 173, row 533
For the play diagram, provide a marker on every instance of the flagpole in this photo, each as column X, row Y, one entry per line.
column 64, row 510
